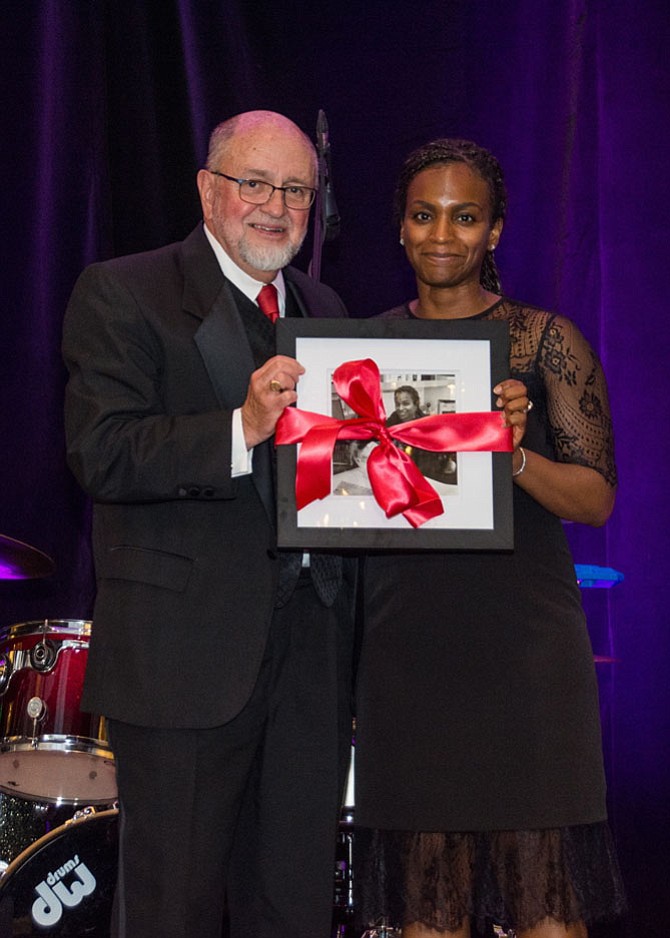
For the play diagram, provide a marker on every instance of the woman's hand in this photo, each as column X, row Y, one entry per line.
column 513, row 398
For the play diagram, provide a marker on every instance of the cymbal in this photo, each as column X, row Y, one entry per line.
column 19, row 561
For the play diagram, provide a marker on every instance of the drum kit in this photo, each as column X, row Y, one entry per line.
column 58, row 819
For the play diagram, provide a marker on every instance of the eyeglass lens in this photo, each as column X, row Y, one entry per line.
column 253, row 190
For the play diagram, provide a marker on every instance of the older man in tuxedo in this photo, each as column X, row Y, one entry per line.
column 221, row 663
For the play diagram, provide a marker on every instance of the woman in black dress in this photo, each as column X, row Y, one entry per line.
column 480, row 792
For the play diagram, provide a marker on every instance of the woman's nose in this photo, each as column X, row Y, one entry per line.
column 442, row 229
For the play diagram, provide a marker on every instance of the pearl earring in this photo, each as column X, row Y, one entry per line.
column 402, row 240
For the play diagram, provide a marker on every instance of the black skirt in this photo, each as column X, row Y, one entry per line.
column 514, row 879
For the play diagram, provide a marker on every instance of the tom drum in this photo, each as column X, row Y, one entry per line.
column 49, row 749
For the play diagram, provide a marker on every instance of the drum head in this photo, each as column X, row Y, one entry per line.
column 63, row 885
column 55, row 772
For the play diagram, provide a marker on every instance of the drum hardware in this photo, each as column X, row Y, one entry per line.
column 344, row 856
column 343, row 896
column 36, row 710
column 89, row 810
column 5, row 673
column 43, row 655
column 343, row 901
column 382, row 930
column 42, row 658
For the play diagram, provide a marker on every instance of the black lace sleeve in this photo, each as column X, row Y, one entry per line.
column 577, row 401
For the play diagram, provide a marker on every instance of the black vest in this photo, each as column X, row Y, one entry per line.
column 325, row 569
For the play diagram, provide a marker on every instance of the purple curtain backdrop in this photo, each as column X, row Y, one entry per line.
column 106, row 111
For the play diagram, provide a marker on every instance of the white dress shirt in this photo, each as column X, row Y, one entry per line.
column 242, row 458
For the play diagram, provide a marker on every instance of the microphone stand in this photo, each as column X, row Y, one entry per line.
column 326, row 215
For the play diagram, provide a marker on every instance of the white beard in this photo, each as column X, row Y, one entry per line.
column 268, row 258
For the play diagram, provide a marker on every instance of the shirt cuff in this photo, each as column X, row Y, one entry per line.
column 241, row 457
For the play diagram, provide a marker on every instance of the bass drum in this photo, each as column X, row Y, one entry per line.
column 63, row 885
column 23, row 821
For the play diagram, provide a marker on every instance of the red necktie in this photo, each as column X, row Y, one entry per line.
column 268, row 301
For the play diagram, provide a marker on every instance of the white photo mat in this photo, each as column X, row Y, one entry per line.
column 477, row 509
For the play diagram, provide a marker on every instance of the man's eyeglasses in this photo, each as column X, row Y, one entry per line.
column 258, row 192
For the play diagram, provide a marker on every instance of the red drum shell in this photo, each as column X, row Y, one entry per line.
column 62, row 754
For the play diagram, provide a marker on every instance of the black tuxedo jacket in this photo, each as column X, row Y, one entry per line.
column 185, row 555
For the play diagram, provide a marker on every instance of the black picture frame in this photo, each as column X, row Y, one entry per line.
column 478, row 513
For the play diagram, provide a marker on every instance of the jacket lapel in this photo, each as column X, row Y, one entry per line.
column 224, row 347
column 295, row 294
column 223, row 344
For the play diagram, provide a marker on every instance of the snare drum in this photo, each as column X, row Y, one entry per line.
column 49, row 749
column 63, row 885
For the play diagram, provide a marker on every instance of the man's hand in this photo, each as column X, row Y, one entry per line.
column 271, row 389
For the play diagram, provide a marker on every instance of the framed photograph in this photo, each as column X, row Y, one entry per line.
column 425, row 368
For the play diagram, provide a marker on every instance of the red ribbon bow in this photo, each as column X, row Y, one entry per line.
column 397, row 484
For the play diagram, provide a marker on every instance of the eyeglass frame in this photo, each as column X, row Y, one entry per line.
column 263, row 182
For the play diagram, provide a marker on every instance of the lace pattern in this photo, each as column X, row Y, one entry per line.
column 578, row 414
column 563, row 375
column 512, row 878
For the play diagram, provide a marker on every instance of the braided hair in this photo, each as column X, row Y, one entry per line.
column 480, row 161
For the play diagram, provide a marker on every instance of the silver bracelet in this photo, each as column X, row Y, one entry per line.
column 517, row 472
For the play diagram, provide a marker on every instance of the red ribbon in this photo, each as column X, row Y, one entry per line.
column 397, row 484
